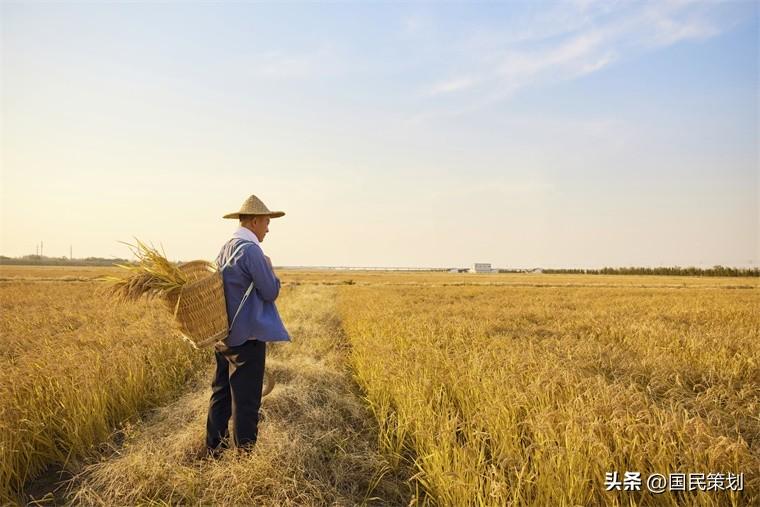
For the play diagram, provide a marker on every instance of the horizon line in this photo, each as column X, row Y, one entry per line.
column 492, row 268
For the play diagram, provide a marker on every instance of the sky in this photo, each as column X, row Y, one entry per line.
column 577, row 134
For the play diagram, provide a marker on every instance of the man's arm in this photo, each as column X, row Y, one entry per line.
column 260, row 270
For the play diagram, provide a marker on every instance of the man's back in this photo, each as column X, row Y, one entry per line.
column 258, row 317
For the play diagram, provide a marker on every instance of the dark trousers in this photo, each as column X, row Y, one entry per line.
column 236, row 394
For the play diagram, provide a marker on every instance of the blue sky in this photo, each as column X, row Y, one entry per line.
column 577, row 134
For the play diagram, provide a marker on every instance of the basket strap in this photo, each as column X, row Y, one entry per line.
column 240, row 306
column 229, row 259
column 250, row 287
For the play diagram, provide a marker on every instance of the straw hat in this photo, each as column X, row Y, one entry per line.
column 254, row 206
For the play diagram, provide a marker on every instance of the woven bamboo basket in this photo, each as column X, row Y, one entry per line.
column 200, row 309
column 199, row 306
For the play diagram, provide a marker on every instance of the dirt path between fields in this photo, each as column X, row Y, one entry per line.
column 317, row 440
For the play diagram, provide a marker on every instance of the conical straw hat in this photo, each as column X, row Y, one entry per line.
column 254, row 206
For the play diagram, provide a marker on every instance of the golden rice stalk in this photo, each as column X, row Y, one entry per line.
column 151, row 276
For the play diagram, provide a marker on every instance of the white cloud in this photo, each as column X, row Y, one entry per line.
column 276, row 64
column 415, row 25
column 571, row 40
column 669, row 28
column 602, row 62
column 452, row 85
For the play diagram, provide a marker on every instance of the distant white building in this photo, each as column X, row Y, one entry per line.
column 481, row 267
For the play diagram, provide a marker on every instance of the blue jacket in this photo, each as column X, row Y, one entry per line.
column 258, row 318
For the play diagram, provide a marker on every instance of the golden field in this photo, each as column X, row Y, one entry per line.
column 503, row 389
column 530, row 395
column 72, row 366
column 113, row 396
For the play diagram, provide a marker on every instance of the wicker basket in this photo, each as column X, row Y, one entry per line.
column 200, row 310
column 199, row 307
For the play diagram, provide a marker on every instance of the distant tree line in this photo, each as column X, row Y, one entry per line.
column 675, row 270
column 42, row 260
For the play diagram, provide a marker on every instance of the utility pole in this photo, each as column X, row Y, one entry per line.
column 41, row 247
column 71, row 255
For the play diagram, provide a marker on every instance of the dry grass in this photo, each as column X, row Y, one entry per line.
column 10, row 273
column 374, row 278
column 527, row 396
column 317, row 443
column 443, row 279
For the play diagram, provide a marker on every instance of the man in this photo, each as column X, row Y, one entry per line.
column 250, row 289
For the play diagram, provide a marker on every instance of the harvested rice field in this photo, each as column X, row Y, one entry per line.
column 398, row 389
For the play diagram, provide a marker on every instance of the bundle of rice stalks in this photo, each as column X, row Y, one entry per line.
column 151, row 276
column 194, row 292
